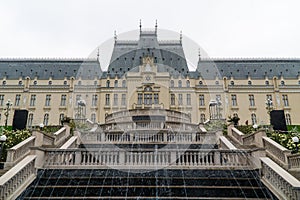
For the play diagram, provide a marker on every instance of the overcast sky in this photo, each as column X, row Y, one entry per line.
column 223, row 28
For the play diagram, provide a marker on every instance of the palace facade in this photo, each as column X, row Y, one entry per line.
column 145, row 74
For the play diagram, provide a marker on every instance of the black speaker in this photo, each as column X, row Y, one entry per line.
column 20, row 119
column 278, row 120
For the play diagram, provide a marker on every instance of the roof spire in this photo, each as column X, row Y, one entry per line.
column 180, row 37
column 98, row 54
column 199, row 54
column 115, row 36
column 140, row 26
column 156, row 26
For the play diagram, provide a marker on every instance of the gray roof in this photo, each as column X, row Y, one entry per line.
column 127, row 55
column 46, row 68
column 242, row 68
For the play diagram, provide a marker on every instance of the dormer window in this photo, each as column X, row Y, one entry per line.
column 107, row 83
column 34, row 82
column 231, row 82
column 20, row 82
column 50, row 82
column 282, row 83
column 200, row 83
column 249, row 82
column 217, row 82
column 3, row 82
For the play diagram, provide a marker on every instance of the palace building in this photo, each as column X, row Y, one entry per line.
column 150, row 73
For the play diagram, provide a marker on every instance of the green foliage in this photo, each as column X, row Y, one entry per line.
column 214, row 125
column 284, row 139
column 13, row 138
column 246, row 129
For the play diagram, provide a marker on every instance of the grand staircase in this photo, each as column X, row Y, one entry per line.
column 160, row 184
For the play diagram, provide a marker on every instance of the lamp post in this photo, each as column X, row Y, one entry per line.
column 269, row 107
column 296, row 141
column 2, row 141
column 255, row 126
column 7, row 109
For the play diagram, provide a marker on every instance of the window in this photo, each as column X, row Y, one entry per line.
column 65, row 82
column 94, row 100
column 116, row 83
column 1, row 99
column 17, row 100
column 249, row 82
column 172, row 83
column 30, row 119
column 188, row 83
column 95, row 82
column 61, row 118
column 140, row 98
column 32, row 100
column 107, row 83
column 107, row 99
column 123, row 83
column 233, row 100
column 285, row 100
column 231, row 82
column 180, row 83
column 180, row 102
column 3, row 82
column 267, row 82
column 251, row 100
column 201, row 100
column 48, row 99
column 200, row 82
column 115, row 99
column 147, row 99
column 217, row 82
column 123, row 100
column 156, row 98
column 269, row 97
column 282, row 82
column 50, row 83
column 202, row 118
column 20, row 82
column 63, row 100
column 188, row 99
column 78, row 97
column 253, row 118
column 288, row 119
column 46, row 119
column 93, row 117
column 172, row 99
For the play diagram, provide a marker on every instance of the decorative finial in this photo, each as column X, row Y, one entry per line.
column 140, row 26
column 199, row 54
column 155, row 26
column 116, row 37
column 98, row 54
column 180, row 37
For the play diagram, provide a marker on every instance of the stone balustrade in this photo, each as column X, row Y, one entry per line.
column 279, row 181
column 294, row 161
column 276, row 151
column 163, row 157
column 19, row 151
column 61, row 135
column 71, row 143
column 226, row 144
column 237, row 135
column 14, row 181
column 147, row 136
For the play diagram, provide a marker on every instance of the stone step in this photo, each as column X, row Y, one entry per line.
column 146, row 197
column 149, row 181
column 151, row 191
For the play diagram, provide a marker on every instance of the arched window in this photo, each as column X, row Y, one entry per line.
column 200, row 82
column 188, row 84
column 172, row 83
column 46, row 119
column 93, row 117
column 249, row 82
column 107, row 83
column 123, row 83
column 288, row 119
column 282, row 82
column 267, row 82
column 30, row 119
column 253, row 118
column 116, row 83
column 180, row 83
column 202, row 118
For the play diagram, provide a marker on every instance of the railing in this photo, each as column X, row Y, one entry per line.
column 60, row 135
column 226, row 144
column 248, row 139
column 276, row 151
column 19, row 151
column 14, row 181
column 237, row 134
column 146, row 136
column 279, row 181
column 71, row 143
column 170, row 157
column 294, row 161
